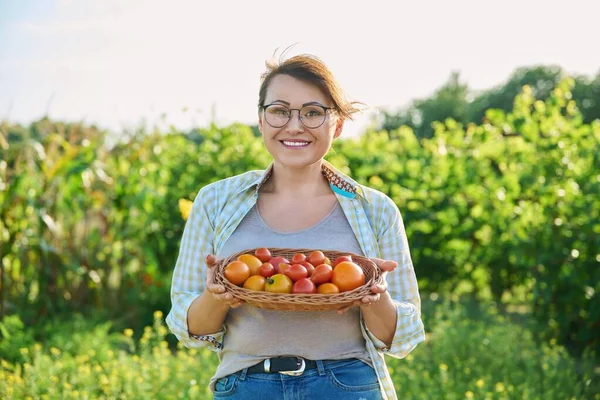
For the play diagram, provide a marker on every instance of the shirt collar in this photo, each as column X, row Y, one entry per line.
column 340, row 183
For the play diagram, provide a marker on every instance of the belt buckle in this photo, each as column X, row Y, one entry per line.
column 297, row 372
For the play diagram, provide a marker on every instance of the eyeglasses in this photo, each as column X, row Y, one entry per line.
column 312, row 116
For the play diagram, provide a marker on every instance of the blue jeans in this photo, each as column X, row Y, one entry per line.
column 345, row 379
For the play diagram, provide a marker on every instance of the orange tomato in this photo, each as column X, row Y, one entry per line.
column 255, row 282
column 316, row 258
column 253, row 262
column 328, row 288
column 347, row 276
column 279, row 283
column 237, row 272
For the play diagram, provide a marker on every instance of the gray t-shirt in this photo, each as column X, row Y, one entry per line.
column 254, row 334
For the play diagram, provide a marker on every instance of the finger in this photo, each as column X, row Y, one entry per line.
column 388, row 265
column 384, row 265
column 225, row 297
column 236, row 303
column 378, row 288
column 215, row 289
column 344, row 309
column 370, row 299
column 211, row 260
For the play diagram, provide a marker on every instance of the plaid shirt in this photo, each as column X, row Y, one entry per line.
column 377, row 224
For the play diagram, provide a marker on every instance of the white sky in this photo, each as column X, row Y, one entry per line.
column 115, row 62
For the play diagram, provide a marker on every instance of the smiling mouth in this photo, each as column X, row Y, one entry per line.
column 295, row 144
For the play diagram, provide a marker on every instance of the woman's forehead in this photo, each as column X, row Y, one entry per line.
column 294, row 91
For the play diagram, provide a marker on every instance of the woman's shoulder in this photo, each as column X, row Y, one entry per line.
column 376, row 199
column 224, row 188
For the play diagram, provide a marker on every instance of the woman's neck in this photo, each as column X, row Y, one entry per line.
column 304, row 182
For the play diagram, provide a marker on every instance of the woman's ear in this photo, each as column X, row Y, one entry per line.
column 339, row 126
column 260, row 122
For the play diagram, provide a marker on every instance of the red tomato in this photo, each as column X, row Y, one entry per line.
column 266, row 270
column 281, row 268
column 347, row 276
column 263, row 254
column 305, row 286
column 316, row 258
column 298, row 258
column 278, row 260
column 296, row 272
column 322, row 274
column 309, row 267
column 341, row 259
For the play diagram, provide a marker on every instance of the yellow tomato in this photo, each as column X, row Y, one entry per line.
column 255, row 282
column 251, row 261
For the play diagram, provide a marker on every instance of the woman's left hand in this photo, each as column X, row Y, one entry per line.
column 376, row 290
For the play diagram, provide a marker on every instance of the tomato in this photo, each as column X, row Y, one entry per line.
column 296, row 272
column 316, row 258
column 309, row 267
column 341, row 259
column 251, row 261
column 255, row 282
column 263, row 254
column 266, row 270
column 327, row 261
column 347, row 276
column 278, row 283
column 305, row 286
column 328, row 288
column 278, row 260
column 298, row 258
column 322, row 274
column 281, row 268
column 237, row 272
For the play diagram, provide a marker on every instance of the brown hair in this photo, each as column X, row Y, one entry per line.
column 312, row 70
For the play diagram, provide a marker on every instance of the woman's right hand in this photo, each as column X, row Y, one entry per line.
column 218, row 291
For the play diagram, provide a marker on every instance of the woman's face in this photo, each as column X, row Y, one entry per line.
column 295, row 145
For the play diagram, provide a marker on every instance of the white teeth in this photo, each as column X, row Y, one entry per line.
column 295, row 144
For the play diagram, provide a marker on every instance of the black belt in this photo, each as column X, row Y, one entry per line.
column 294, row 366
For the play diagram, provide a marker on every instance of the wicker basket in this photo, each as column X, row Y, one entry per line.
column 301, row 302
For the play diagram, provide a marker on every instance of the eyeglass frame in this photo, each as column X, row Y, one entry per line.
column 325, row 109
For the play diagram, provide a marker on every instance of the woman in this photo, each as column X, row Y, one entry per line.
column 300, row 201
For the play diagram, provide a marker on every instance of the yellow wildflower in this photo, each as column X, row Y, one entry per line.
column 55, row 351
column 128, row 332
column 158, row 314
column 500, row 387
column 469, row 394
column 185, row 208
column 443, row 367
column 479, row 383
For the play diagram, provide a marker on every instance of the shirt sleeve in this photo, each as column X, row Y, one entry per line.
column 402, row 286
column 189, row 276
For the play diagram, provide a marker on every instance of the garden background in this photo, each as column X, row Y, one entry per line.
column 500, row 193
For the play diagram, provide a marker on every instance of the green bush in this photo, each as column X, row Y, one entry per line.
column 484, row 358
column 506, row 210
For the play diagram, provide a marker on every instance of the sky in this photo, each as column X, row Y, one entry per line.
column 119, row 64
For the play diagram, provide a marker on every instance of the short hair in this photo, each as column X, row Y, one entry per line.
column 312, row 70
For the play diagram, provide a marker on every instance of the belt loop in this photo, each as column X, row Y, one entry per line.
column 243, row 374
column 320, row 367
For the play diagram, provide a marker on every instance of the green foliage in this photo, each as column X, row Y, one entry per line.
column 456, row 101
column 486, row 357
column 507, row 210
